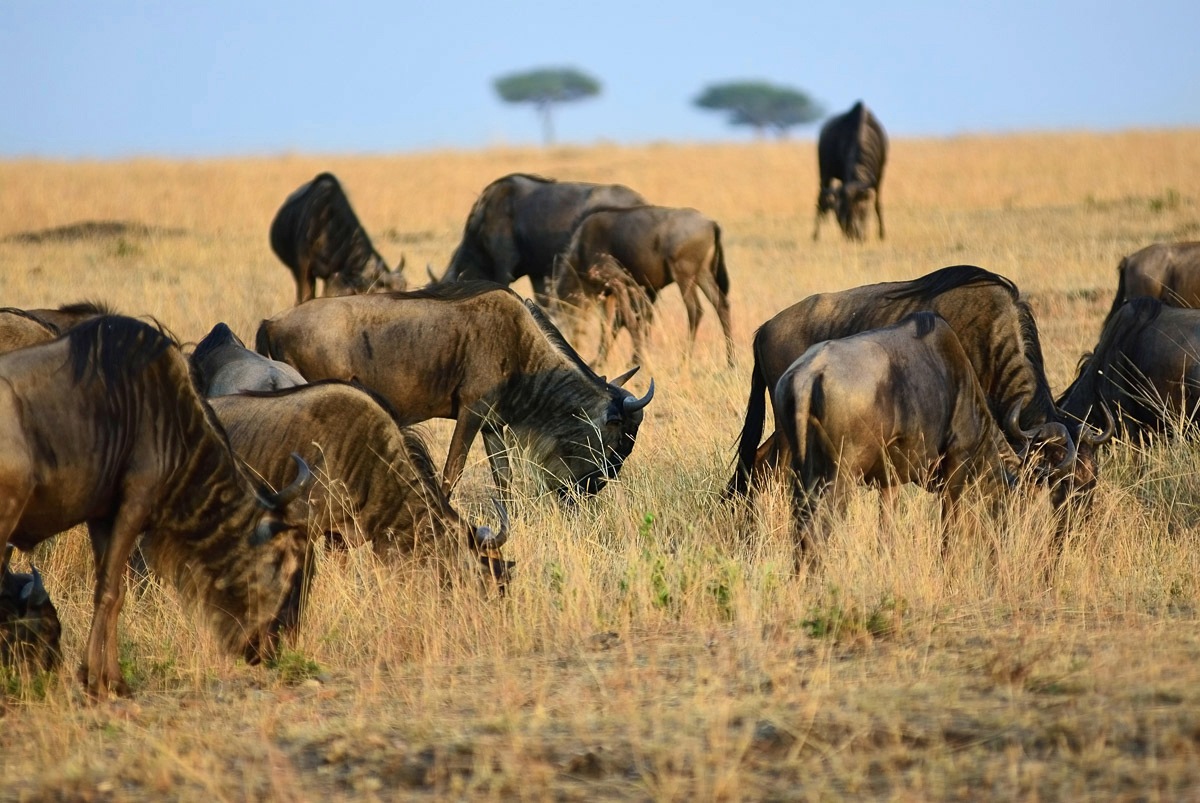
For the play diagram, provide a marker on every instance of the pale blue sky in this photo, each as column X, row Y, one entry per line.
column 116, row 78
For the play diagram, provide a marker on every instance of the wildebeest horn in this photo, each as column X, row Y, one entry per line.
column 1062, row 433
column 1012, row 424
column 429, row 270
column 1086, row 432
column 400, row 265
column 304, row 480
column 488, row 539
column 632, row 405
column 34, row 592
column 625, row 377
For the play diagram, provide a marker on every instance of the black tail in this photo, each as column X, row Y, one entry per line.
column 719, row 260
column 756, row 410
column 1120, row 299
column 262, row 341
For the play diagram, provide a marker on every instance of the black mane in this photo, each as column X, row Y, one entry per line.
column 560, row 343
column 452, row 291
column 113, row 346
column 951, row 278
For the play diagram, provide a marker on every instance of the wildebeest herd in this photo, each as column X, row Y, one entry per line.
column 171, row 459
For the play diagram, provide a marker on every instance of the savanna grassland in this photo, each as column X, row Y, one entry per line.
column 655, row 644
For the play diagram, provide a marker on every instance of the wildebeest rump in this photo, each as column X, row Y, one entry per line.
column 624, row 302
column 1169, row 272
column 995, row 327
column 18, row 328
column 221, row 364
column 30, row 631
column 658, row 245
column 890, row 406
column 317, row 236
column 103, row 426
column 1145, row 368
column 521, row 222
column 379, row 484
column 475, row 353
column 851, row 154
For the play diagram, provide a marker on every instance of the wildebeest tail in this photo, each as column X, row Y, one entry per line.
column 804, row 409
column 1120, row 299
column 719, row 257
column 262, row 340
column 752, row 427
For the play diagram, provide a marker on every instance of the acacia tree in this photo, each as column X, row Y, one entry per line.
column 760, row 105
column 544, row 88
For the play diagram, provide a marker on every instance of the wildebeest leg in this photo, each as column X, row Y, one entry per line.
column 691, row 302
column 608, row 328
column 306, row 283
column 112, row 543
column 497, row 452
column 879, row 212
column 465, row 429
column 720, row 302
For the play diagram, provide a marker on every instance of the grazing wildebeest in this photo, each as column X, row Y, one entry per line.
column 64, row 317
column 318, row 236
column 30, row 631
column 1145, row 367
column 521, row 222
column 473, row 352
column 851, row 154
column 379, row 483
column 994, row 326
column 624, row 303
column 221, row 364
column 887, row 407
column 103, row 426
column 658, row 245
column 1169, row 272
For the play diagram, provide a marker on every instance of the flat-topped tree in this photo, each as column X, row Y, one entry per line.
column 544, row 88
column 760, row 105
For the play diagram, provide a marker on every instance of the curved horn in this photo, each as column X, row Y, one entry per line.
column 1012, row 424
column 400, row 265
column 625, row 377
column 1086, row 432
column 632, row 405
column 1061, row 432
column 304, row 480
column 429, row 269
column 487, row 538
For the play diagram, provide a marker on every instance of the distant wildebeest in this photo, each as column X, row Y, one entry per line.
column 521, row 222
column 221, row 364
column 995, row 327
column 1169, row 272
column 1145, row 367
column 851, row 154
column 379, row 484
column 317, row 236
column 888, row 407
column 473, row 352
column 658, row 245
column 624, row 304
column 64, row 317
column 30, row 631
column 103, row 426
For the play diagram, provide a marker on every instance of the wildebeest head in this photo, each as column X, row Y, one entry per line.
column 581, row 453
column 29, row 627
column 486, row 543
column 853, row 201
column 376, row 277
column 1067, row 455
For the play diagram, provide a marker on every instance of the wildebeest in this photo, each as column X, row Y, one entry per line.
column 221, row 364
column 1145, row 367
column 473, row 352
column 624, row 304
column 379, row 483
column 1169, row 272
column 851, row 154
column 30, row 631
column 658, row 245
column 18, row 328
column 521, row 222
column 64, row 317
column 995, row 327
column 103, row 426
column 317, row 236
column 887, row 407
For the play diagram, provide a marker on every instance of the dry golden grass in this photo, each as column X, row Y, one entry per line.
column 656, row 645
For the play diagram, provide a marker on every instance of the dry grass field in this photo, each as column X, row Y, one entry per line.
column 656, row 645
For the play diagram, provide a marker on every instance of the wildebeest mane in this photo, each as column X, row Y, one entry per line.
column 452, row 291
column 560, row 344
column 112, row 346
column 925, row 321
column 88, row 308
column 951, row 278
